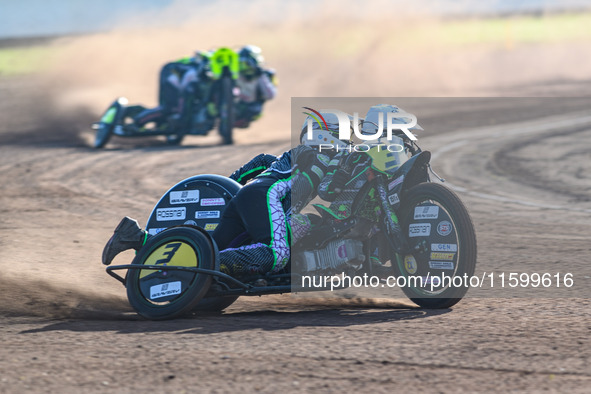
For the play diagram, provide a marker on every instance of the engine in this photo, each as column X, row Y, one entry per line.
column 333, row 258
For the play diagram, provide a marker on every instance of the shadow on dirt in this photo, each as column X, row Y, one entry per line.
column 268, row 320
column 80, row 311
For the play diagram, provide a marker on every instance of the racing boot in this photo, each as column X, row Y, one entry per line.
column 127, row 235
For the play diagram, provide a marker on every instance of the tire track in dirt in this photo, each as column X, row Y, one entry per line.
column 501, row 162
column 60, row 204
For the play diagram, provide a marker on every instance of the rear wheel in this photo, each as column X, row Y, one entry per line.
column 226, row 109
column 166, row 294
column 441, row 235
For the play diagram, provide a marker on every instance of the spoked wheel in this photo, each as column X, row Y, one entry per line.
column 441, row 235
column 226, row 108
column 166, row 294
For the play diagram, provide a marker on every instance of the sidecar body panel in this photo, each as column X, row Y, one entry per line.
column 197, row 201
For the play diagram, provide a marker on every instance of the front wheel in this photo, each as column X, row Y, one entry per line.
column 443, row 243
column 103, row 134
column 169, row 293
column 226, row 109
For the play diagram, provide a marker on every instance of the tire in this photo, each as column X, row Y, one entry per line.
column 103, row 134
column 174, row 139
column 449, row 248
column 214, row 304
column 162, row 294
column 226, row 110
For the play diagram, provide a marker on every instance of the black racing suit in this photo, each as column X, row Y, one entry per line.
column 356, row 166
column 177, row 85
column 281, row 186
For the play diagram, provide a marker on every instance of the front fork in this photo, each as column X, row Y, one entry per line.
column 393, row 229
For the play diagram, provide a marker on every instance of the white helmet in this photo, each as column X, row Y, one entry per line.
column 372, row 118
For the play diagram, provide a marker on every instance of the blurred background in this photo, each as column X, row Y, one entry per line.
column 72, row 58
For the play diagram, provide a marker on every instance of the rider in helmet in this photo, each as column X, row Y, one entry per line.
column 267, row 209
column 256, row 85
column 189, row 77
column 348, row 172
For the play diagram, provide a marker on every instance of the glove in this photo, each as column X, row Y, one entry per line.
column 339, row 180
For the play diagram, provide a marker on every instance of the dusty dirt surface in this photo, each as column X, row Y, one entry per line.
column 66, row 326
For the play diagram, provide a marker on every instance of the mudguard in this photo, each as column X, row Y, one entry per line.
column 412, row 172
column 196, row 201
column 114, row 113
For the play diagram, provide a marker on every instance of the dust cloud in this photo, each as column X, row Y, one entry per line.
column 320, row 49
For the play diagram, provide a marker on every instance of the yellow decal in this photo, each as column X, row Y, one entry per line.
column 410, row 264
column 210, row 226
column 173, row 253
column 442, row 256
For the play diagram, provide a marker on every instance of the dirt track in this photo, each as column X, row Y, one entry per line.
column 66, row 326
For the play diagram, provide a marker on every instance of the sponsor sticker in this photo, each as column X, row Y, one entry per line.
column 395, row 182
column 444, row 247
column 154, row 231
column 165, row 289
column 410, row 264
column 426, row 212
column 442, row 256
column 342, row 250
column 207, row 202
column 419, row 230
column 165, row 214
column 211, row 226
column 394, row 199
column 441, row 265
column 444, row 228
column 207, row 215
column 184, row 197
column 430, row 280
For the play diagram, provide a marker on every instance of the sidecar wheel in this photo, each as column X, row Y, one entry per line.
column 166, row 294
